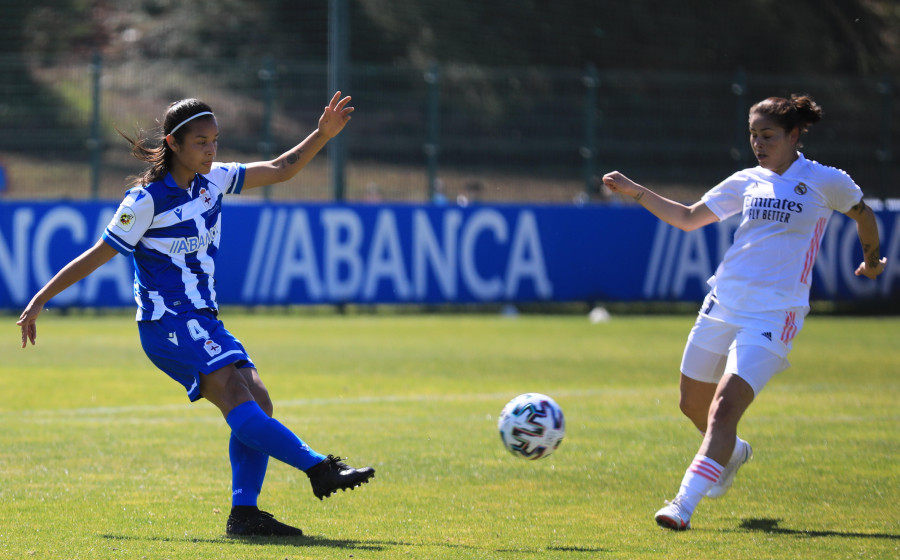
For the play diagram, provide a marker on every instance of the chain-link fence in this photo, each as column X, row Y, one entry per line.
column 502, row 134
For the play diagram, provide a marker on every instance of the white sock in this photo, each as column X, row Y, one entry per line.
column 738, row 447
column 698, row 479
column 738, row 452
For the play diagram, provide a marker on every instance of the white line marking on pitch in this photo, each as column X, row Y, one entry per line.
column 501, row 398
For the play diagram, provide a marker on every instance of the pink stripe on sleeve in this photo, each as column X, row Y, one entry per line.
column 813, row 250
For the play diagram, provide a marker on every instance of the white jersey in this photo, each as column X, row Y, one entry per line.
column 173, row 235
column 769, row 266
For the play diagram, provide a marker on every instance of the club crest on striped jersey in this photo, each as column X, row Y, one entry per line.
column 206, row 198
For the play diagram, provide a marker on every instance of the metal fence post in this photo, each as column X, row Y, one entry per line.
column 338, row 40
column 432, row 115
column 588, row 151
column 95, row 142
column 266, row 143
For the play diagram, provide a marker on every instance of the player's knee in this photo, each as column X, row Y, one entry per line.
column 695, row 409
column 259, row 391
column 687, row 407
column 225, row 388
column 265, row 403
column 724, row 415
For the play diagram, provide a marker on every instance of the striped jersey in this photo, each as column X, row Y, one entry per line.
column 783, row 219
column 173, row 235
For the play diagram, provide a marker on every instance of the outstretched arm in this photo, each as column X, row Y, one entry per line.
column 687, row 218
column 867, row 229
column 284, row 167
column 80, row 267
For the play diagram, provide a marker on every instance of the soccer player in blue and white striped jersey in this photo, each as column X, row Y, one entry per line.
column 170, row 224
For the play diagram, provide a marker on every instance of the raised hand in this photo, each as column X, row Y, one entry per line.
column 336, row 115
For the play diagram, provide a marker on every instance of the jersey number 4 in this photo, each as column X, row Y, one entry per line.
column 197, row 332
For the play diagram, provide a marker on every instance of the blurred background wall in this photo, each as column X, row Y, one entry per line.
column 500, row 101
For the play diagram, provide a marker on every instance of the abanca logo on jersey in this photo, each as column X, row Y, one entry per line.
column 193, row 244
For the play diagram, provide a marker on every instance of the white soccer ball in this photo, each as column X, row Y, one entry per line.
column 531, row 426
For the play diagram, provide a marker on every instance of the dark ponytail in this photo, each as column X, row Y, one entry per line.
column 159, row 157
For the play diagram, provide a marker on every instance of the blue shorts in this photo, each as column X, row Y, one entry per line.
column 189, row 344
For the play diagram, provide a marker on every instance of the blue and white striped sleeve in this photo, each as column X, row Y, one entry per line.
column 228, row 176
column 131, row 221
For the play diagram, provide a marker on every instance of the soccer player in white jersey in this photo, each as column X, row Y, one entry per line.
column 759, row 294
column 170, row 225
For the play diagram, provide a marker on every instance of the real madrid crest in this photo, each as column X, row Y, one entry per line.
column 801, row 188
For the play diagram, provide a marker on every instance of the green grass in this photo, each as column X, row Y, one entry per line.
column 101, row 456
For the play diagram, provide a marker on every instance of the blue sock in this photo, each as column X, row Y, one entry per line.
column 248, row 470
column 256, row 430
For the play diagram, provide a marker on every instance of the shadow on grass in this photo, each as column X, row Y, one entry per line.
column 771, row 526
column 343, row 544
column 585, row 549
column 304, row 541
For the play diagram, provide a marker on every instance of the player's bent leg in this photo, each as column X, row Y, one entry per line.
column 721, row 443
column 695, row 400
column 701, row 371
column 733, row 397
column 755, row 365
column 226, row 388
column 229, row 389
column 257, row 389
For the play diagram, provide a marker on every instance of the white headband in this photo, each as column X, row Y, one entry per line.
column 189, row 119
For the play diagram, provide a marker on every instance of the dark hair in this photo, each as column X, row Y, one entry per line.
column 159, row 158
column 800, row 111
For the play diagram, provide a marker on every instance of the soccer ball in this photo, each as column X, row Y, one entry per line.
column 531, row 426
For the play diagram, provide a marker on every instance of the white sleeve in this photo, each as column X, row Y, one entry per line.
column 727, row 198
column 842, row 193
column 131, row 221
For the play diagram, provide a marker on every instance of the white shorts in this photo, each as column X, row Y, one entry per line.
column 753, row 346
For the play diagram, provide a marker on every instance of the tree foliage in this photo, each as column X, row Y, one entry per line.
column 809, row 36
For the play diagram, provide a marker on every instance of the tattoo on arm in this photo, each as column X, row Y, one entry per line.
column 639, row 196
column 290, row 159
column 872, row 254
column 871, row 251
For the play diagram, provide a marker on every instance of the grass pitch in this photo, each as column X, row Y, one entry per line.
column 101, row 455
